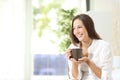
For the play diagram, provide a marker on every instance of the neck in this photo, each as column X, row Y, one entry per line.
column 86, row 43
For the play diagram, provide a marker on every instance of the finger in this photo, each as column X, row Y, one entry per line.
column 67, row 53
column 83, row 59
column 73, row 60
column 68, row 56
column 80, row 59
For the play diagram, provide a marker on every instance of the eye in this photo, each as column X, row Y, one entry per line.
column 79, row 27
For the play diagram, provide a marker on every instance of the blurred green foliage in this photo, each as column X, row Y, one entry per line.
column 41, row 12
column 41, row 21
column 64, row 22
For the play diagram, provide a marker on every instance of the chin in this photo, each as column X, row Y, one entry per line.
column 80, row 39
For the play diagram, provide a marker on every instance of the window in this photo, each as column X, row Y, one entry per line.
column 48, row 62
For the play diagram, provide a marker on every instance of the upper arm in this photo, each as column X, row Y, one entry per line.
column 106, row 63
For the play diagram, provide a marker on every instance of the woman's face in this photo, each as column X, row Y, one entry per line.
column 79, row 30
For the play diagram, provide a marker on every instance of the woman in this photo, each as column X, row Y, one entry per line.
column 96, row 63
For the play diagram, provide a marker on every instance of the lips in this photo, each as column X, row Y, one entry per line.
column 79, row 36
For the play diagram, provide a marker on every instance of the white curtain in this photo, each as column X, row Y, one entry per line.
column 13, row 46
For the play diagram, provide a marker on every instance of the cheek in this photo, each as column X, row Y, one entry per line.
column 85, row 33
column 74, row 32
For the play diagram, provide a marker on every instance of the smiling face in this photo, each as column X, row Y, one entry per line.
column 83, row 29
column 79, row 30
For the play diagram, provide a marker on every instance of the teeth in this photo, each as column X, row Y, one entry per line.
column 80, row 35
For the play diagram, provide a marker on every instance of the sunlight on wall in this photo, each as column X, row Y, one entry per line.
column 12, row 40
column 116, row 28
column 43, row 45
column 67, row 4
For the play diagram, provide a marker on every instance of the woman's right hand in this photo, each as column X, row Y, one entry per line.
column 68, row 53
column 68, row 56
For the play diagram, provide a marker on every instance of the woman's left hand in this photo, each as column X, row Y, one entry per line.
column 83, row 59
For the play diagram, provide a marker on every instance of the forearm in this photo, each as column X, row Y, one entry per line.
column 94, row 68
column 75, row 70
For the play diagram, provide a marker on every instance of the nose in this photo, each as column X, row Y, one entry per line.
column 76, row 30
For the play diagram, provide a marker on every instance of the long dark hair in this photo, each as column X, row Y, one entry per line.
column 89, row 25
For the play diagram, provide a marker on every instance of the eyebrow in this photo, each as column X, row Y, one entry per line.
column 77, row 26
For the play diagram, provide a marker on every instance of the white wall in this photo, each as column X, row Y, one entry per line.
column 106, row 15
column 107, row 21
column 102, row 5
column 103, row 24
column 101, row 12
column 14, row 40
